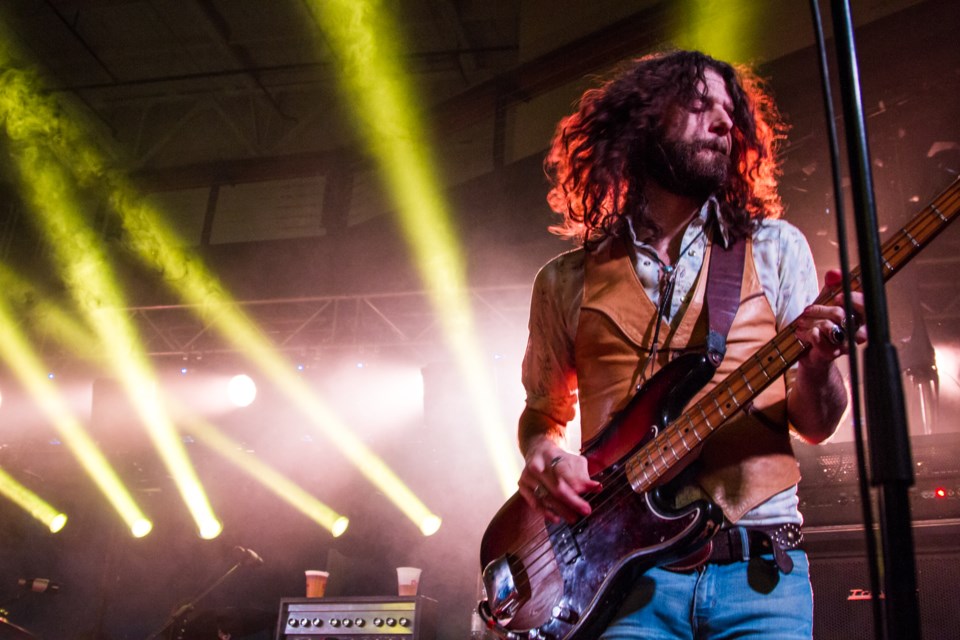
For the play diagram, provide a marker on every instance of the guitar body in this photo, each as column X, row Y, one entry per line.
column 566, row 581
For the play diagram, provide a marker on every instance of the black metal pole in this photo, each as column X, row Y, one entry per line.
column 856, row 404
column 186, row 608
column 891, row 466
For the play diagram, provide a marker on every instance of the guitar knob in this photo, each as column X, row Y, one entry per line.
column 565, row 614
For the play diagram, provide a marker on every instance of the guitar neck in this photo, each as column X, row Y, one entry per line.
column 676, row 442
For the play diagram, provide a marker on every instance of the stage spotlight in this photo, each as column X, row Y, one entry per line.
column 141, row 527
column 339, row 526
column 242, row 390
column 58, row 522
column 430, row 525
column 210, row 529
column 31, row 502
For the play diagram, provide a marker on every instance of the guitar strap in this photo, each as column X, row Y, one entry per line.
column 724, row 281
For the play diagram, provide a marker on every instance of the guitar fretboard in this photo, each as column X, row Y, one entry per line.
column 674, row 444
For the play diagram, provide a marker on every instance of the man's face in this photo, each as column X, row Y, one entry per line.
column 693, row 158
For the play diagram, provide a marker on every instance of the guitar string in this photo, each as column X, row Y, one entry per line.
column 915, row 231
column 624, row 489
column 544, row 562
column 673, row 435
column 758, row 376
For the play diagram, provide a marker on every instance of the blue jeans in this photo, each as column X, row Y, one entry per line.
column 747, row 599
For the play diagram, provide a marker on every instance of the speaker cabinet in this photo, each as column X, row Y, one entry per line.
column 843, row 607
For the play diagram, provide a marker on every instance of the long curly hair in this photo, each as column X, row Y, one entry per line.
column 594, row 163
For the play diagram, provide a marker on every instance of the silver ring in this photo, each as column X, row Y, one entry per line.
column 540, row 492
column 556, row 461
column 837, row 336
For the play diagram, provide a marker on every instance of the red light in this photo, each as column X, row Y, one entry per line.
column 940, row 492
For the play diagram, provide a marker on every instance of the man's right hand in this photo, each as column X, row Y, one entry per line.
column 553, row 480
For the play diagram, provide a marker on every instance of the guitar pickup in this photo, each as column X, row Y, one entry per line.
column 564, row 543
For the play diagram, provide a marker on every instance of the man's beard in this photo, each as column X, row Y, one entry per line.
column 679, row 167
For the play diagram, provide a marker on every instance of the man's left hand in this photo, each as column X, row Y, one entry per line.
column 824, row 326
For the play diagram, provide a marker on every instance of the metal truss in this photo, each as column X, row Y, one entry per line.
column 374, row 322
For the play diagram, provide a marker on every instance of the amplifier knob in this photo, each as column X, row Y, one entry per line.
column 347, row 622
column 334, row 622
column 360, row 622
column 317, row 622
column 293, row 622
column 391, row 622
column 404, row 622
column 378, row 622
column 304, row 622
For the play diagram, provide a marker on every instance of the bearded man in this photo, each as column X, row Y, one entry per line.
column 667, row 162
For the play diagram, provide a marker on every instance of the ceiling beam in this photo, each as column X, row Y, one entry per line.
column 592, row 53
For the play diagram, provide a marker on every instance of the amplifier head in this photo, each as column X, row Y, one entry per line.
column 359, row 618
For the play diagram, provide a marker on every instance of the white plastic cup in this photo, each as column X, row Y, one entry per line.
column 316, row 583
column 408, row 581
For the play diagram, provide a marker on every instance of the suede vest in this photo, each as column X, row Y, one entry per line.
column 747, row 460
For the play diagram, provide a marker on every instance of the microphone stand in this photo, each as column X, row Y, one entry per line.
column 186, row 608
column 891, row 466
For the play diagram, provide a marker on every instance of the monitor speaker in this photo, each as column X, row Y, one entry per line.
column 843, row 608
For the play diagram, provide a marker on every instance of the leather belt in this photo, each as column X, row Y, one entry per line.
column 742, row 543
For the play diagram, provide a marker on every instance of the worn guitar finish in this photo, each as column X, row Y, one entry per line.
column 566, row 581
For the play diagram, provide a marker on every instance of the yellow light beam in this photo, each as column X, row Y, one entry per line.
column 724, row 30
column 47, row 319
column 85, row 269
column 158, row 245
column 29, row 370
column 30, row 502
column 276, row 482
column 366, row 40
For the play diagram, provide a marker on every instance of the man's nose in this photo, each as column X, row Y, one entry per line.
column 721, row 123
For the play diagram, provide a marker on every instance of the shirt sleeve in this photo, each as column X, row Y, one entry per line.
column 787, row 274
column 786, row 270
column 549, row 367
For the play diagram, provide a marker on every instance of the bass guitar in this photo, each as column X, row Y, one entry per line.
column 565, row 581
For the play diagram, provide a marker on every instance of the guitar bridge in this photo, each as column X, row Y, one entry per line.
column 503, row 599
